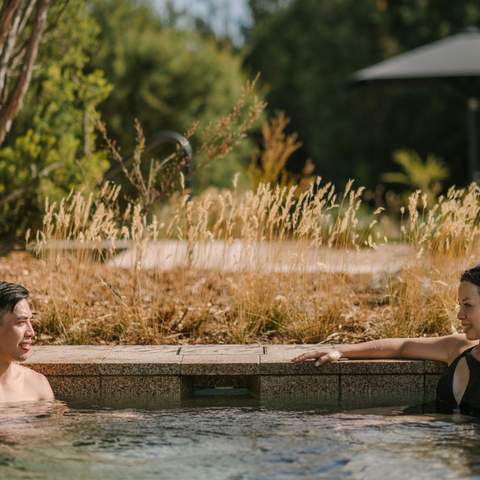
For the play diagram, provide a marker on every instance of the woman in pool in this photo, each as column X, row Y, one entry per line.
column 459, row 386
column 18, row 383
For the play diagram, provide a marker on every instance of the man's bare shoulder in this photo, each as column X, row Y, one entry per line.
column 37, row 383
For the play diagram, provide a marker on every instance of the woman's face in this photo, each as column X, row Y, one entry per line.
column 469, row 309
column 16, row 333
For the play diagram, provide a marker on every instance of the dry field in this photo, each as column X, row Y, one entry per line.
column 97, row 304
column 81, row 300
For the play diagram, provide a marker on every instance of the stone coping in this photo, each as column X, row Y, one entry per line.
column 153, row 376
column 185, row 360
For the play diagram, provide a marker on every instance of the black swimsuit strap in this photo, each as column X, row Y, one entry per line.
column 465, row 352
column 446, row 401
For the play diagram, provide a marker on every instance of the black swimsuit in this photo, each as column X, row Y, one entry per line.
column 470, row 403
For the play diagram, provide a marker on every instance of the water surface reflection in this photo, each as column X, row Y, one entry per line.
column 50, row 440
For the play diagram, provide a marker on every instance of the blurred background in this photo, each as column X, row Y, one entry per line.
column 173, row 63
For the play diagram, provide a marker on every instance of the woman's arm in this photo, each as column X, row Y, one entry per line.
column 442, row 349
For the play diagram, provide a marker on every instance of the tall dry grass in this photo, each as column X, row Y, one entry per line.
column 319, row 216
column 445, row 237
column 86, row 301
column 82, row 298
column 139, row 305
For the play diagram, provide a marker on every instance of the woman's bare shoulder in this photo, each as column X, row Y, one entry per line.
column 458, row 343
column 441, row 349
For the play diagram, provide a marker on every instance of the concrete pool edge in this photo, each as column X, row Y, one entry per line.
column 154, row 374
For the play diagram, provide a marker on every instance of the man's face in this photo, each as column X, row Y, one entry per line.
column 16, row 333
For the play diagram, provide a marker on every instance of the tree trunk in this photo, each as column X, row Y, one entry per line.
column 15, row 100
column 6, row 15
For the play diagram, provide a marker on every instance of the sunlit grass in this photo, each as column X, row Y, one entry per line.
column 83, row 300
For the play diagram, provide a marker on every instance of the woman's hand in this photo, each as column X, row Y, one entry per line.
column 319, row 357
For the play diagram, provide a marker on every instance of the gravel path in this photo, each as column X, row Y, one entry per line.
column 286, row 256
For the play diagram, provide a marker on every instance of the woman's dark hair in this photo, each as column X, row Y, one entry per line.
column 10, row 295
column 472, row 275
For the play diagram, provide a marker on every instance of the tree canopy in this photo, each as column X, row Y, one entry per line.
column 116, row 60
column 52, row 146
column 166, row 78
column 307, row 51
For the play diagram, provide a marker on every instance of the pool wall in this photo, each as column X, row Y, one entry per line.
column 158, row 374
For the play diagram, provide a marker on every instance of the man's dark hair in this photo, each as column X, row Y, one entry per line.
column 10, row 295
column 472, row 275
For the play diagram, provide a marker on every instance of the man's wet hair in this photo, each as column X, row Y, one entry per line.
column 10, row 295
column 472, row 275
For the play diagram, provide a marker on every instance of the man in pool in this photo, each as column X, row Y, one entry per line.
column 459, row 386
column 18, row 383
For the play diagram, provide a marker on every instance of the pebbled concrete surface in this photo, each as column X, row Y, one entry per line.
column 154, row 375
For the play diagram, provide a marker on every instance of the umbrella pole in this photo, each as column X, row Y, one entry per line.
column 472, row 109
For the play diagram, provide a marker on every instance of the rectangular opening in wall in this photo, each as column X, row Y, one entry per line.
column 220, row 386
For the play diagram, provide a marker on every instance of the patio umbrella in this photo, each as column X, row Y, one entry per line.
column 456, row 60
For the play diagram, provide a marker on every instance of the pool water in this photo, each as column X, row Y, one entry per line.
column 54, row 441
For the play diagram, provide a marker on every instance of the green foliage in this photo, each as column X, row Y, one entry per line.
column 167, row 79
column 417, row 174
column 304, row 52
column 269, row 165
column 52, row 147
column 307, row 52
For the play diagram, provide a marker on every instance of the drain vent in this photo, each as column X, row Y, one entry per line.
column 220, row 392
column 201, row 386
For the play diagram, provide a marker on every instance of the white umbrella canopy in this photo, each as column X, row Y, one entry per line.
column 455, row 59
